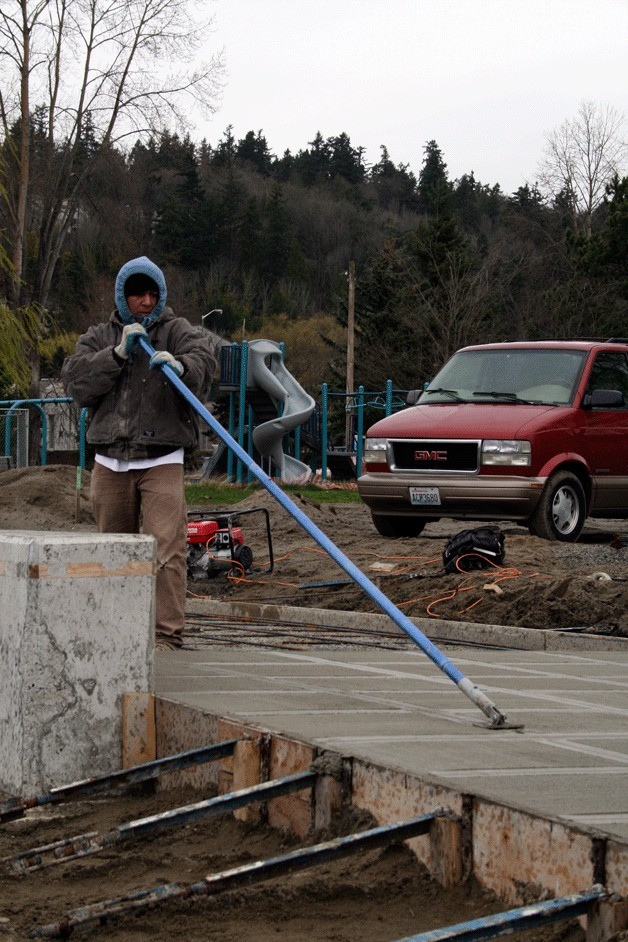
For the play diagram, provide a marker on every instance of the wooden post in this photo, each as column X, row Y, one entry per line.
column 246, row 773
column 350, row 351
column 138, row 728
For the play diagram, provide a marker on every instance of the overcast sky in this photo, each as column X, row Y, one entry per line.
column 486, row 79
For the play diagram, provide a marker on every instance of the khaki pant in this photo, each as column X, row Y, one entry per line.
column 151, row 501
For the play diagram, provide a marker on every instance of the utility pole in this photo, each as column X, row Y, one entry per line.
column 350, row 352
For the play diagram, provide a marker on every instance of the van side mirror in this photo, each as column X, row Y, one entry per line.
column 603, row 399
column 413, row 397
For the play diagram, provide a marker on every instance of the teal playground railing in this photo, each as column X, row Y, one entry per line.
column 386, row 401
column 315, row 433
column 40, row 405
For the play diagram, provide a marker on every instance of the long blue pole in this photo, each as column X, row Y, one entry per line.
column 468, row 688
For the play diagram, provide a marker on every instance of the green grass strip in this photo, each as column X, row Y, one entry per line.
column 223, row 495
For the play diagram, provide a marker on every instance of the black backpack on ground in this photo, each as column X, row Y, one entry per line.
column 474, row 549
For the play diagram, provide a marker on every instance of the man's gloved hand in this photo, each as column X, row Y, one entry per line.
column 130, row 333
column 162, row 356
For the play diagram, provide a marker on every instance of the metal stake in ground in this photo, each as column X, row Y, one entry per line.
column 17, row 807
column 246, row 875
column 497, row 719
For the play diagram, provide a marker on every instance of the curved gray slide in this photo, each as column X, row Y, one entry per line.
column 267, row 370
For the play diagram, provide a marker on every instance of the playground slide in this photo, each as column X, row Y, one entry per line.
column 266, row 369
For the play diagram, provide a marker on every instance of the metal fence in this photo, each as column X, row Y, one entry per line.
column 18, row 438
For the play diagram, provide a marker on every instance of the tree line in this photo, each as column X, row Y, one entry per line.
column 265, row 241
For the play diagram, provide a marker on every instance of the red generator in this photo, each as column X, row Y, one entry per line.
column 215, row 543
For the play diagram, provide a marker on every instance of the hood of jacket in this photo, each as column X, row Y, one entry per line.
column 140, row 266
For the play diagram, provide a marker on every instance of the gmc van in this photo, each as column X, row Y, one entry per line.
column 534, row 432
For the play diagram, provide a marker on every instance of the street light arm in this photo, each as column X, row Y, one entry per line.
column 216, row 310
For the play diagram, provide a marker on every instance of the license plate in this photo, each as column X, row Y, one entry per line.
column 424, row 495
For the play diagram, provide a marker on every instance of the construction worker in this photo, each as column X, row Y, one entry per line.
column 141, row 427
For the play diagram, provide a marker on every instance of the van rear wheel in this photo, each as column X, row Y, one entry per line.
column 561, row 510
column 396, row 528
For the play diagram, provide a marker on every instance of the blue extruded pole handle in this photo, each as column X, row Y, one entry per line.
column 480, row 699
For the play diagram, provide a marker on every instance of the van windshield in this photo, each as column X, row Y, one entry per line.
column 540, row 377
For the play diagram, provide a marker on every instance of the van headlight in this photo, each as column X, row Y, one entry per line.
column 375, row 451
column 506, row 452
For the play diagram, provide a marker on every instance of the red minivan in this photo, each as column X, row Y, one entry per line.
column 535, row 432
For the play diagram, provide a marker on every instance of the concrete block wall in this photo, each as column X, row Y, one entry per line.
column 76, row 632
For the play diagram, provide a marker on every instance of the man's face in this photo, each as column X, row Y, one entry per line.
column 142, row 304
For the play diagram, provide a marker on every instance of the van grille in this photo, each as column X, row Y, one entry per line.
column 434, row 455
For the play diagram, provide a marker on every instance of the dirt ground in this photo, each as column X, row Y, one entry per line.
column 376, row 896
column 541, row 584
column 381, row 895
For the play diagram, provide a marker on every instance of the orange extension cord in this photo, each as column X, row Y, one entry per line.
column 238, row 576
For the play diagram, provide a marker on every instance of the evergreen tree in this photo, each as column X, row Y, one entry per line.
column 433, row 188
column 144, row 175
column 254, row 149
column 88, row 143
column 283, row 168
column 312, row 166
column 384, row 169
column 395, row 187
column 277, row 239
column 344, row 160
column 466, row 202
column 437, row 241
column 605, row 254
column 250, row 236
column 180, row 224
column 231, row 201
column 225, row 152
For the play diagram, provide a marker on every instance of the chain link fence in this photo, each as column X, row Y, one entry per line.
column 18, row 444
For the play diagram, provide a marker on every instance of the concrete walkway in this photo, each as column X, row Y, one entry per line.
column 397, row 709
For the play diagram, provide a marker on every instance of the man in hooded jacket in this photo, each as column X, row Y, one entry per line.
column 141, row 427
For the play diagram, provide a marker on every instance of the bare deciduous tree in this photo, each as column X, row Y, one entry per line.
column 76, row 77
column 460, row 307
column 581, row 157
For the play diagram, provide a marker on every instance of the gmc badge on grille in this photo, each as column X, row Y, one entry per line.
column 430, row 456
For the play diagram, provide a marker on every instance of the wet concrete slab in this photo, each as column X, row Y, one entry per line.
column 398, row 709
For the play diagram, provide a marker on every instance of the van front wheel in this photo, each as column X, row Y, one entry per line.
column 561, row 510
